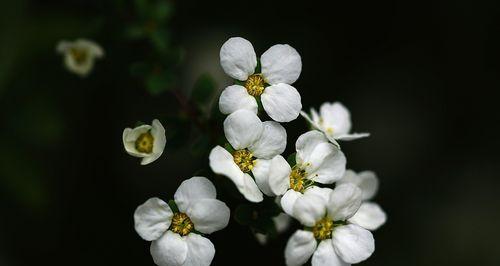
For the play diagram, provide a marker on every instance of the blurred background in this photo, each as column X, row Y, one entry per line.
column 420, row 76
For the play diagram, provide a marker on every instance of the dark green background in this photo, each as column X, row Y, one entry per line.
column 421, row 76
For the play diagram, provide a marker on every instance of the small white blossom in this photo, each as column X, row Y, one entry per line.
column 79, row 55
column 329, row 237
column 280, row 67
column 254, row 142
column 146, row 141
column 370, row 215
column 176, row 236
column 335, row 121
column 317, row 160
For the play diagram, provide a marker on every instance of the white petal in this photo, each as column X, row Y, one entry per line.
column 326, row 164
column 208, row 215
column 299, row 248
column 222, row 163
column 279, row 175
column 369, row 216
column 281, row 64
column 261, row 173
column 306, row 143
column 169, row 250
column 192, row 190
column 336, row 116
column 353, row 136
column 201, row 251
column 282, row 102
column 237, row 58
column 309, row 209
column 353, row 243
column 63, row 46
column 272, row 141
column 325, row 255
column 236, row 97
column 322, row 192
column 282, row 222
column 310, row 120
column 152, row 219
column 158, row 133
column 93, row 48
column 250, row 190
column 345, row 200
column 129, row 137
column 288, row 201
column 367, row 181
column 242, row 128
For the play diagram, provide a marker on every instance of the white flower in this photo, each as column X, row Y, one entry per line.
column 281, row 66
column 329, row 237
column 176, row 236
column 317, row 160
column 253, row 142
column 334, row 120
column 146, row 141
column 79, row 56
column 370, row 215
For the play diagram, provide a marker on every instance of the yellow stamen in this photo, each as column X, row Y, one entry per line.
column 79, row 55
column 181, row 224
column 298, row 180
column 244, row 159
column 323, row 229
column 144, row 143
column 255, row 85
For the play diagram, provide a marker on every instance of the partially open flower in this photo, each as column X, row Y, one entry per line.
column 370, row 215
column 334, row 120
column 176, row 236
column 317, row 161
column 281, row 66
column 79, row 56
column 328, row 236
column 254, row 142
column 146, row 141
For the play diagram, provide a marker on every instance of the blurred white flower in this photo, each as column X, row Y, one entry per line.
column 79, row 55
column 317, row 160
column 370, row 215
column 254, row 142
column 280, row 66
column 176, row 236
column 334, row 120
column 281, row 222
column 146, row 141
column 328, row 236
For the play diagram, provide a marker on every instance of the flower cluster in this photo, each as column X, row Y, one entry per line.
column 312, row 185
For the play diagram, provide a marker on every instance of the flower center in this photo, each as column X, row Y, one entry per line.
column 323, row 229
column 244, row 159
column 79, row 55
column 255, row 85
column 144, row 143
column 181, row 224
column 298, row 180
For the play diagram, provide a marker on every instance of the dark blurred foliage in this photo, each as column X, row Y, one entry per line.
column 421, row 76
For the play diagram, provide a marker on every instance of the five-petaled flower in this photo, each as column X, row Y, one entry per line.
column 146, row 141
column 176, row 236
column 254, row 143
column 370, row 215
column 317, row 160
column 328, row 235
column 280, row 66
column 334, row 120
column 79, row 55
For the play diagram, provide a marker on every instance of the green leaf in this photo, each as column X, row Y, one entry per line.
column 228, row 147
column 173, row 206
column 158, row 83
column 203, row 90
column 291, row 159
column 162, row 11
